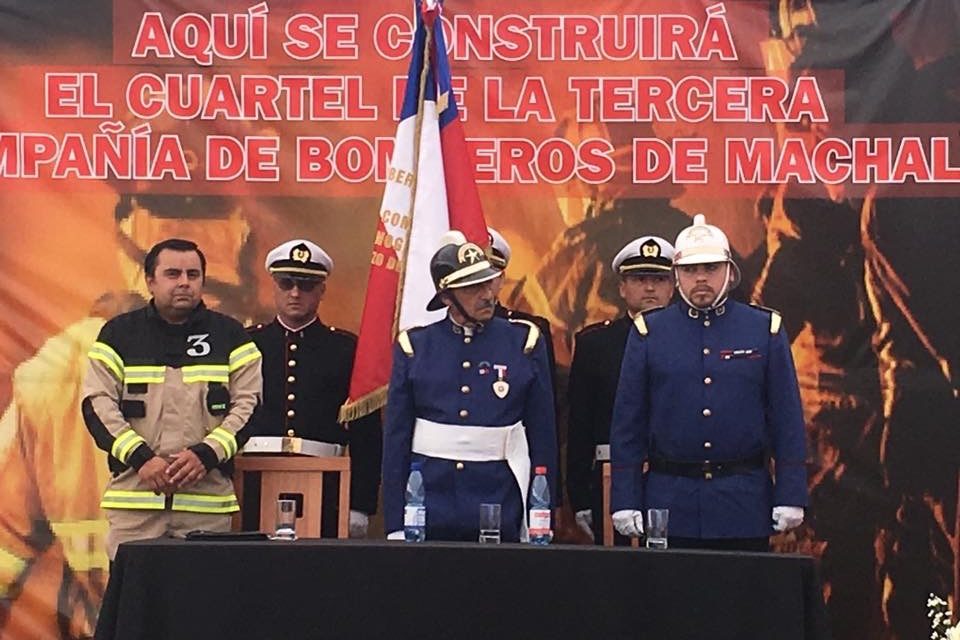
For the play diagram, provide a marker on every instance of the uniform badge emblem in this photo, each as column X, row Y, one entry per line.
column 300, row 253
column 501, row 387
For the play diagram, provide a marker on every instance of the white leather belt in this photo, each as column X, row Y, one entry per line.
column 478, row 444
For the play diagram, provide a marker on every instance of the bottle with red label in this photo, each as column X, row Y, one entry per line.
column 539, row 522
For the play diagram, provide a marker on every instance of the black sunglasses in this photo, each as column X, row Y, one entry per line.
column 303, row 284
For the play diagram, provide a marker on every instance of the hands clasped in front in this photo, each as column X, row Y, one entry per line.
column 168, row 475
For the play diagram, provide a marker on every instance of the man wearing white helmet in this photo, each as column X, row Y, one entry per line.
column 645, row 269
column 707, row 397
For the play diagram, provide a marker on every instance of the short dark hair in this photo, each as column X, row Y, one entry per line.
column 174, row 244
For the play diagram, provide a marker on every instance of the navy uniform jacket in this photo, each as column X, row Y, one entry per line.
column 594, row 374
column 718, row 386
column 305, row 397
column 449, row 379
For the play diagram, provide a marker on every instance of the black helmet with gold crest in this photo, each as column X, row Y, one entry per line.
column 458, row 263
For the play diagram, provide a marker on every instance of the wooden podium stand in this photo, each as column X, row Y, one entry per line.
column 302, row 475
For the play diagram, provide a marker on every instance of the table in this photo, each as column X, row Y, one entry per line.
column 178, row 589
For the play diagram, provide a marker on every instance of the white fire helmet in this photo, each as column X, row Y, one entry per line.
column 701, row 243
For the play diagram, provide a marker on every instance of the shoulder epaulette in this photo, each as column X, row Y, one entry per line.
column 343, row 332
column 775, row 318
column 403, row 339
column 641, row 325
column 590, row 328
column 640, row 322
column 533, row 334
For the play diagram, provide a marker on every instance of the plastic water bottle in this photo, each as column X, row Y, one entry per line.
column 539, row 521
column 415, row 511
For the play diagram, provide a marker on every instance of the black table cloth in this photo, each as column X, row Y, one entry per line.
column 178, row 590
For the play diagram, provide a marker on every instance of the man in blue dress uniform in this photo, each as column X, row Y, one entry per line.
column 707, row 396
column 470, row 398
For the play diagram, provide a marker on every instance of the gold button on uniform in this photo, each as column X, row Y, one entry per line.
column 291, row 379
column 706, row 323
column 708, row 476
column 464, row 413
column 708, row 380
column 707, row 413
column 291, row 363
column 467, row 339
column 466, row 364
column 707, row 444
column 706, row 352
column 291, row 397
column 291, row 413
column 293, row 347
column 464, row 389
column 459, row 466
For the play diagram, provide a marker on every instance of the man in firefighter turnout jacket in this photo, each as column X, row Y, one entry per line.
column 168, row 391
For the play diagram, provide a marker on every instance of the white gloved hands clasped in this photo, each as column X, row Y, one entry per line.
column 396, row 535
column 628, row 522
column 786, row 518
column 585, row 521
column 359, row 524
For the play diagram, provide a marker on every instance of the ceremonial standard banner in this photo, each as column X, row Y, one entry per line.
column 430, row 189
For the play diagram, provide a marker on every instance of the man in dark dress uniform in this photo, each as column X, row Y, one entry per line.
column 646, row 282
column 306, row 377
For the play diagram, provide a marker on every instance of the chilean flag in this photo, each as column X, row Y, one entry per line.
column 430, row 190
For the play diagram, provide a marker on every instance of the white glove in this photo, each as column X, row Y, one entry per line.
column 628, row 522
column 396, row 535
column 359, row 522
column 786, row 518
column 585, row 521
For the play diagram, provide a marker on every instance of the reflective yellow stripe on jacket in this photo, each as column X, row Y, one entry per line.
column 193, row 502
column 206, row 373
column 84, row 543
column 125, row 444
column 200, row 503
column 119, row 499
column 143, row 374
column 104, row 353
column 242, row 355
column 226, row 440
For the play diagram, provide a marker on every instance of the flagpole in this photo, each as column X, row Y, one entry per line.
column 417, row 132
